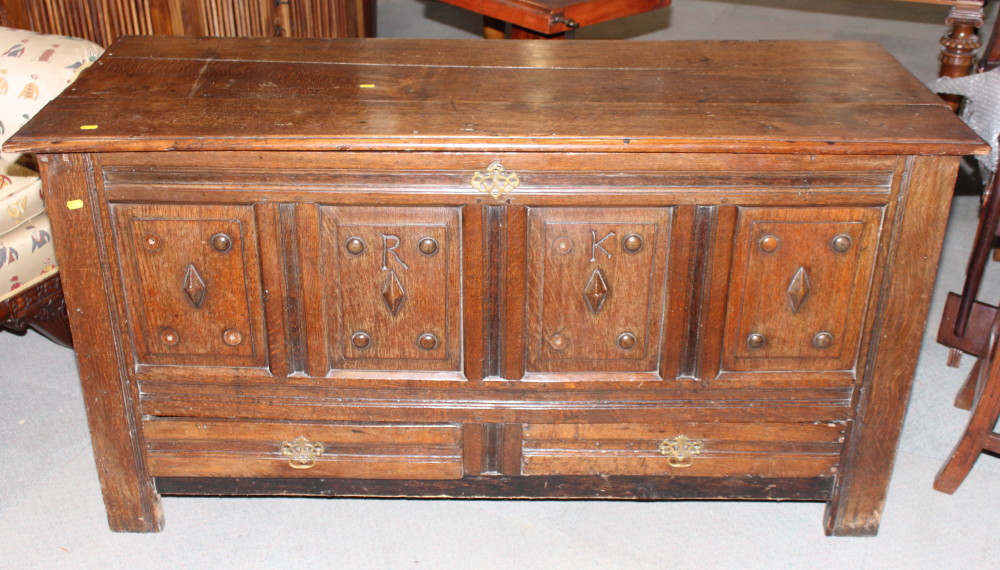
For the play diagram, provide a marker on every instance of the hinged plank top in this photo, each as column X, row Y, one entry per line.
column 169, row 93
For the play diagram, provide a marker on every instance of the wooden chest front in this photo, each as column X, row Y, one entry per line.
column 395, row 268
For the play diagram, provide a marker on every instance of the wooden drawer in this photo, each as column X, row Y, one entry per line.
column 231, row 448
column 688, row 449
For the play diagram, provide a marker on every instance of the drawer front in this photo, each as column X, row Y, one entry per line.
column 229, row 448
column 799, row 287
column 595, row 288
column 393, row 281
column 690, row 449
column 192, row 281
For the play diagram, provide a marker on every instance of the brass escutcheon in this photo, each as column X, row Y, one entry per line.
column 680, row 451
column 301, row 452
column 496, row 181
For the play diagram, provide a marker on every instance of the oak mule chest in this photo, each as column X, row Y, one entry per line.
column 497, row 269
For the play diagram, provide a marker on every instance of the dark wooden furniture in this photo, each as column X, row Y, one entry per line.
column 970, row 326
column 102, row 21
column 550, row 19
column 502, row 269
column 40, row 308
column 981, row 394
column 973, row 327
column 959, row 45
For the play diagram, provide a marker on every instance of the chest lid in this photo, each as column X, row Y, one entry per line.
column 169, row 93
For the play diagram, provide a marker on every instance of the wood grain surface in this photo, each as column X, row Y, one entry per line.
column 430, row 94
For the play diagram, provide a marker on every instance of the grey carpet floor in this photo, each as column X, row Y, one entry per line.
column 51, row 514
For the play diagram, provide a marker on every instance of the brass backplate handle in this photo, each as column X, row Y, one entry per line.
column 301, row 452
column 680, row 451
column 496, row 181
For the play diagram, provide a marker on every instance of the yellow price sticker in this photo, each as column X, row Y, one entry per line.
column 74, row 204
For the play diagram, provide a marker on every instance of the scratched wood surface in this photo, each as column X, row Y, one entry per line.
column 401, row 94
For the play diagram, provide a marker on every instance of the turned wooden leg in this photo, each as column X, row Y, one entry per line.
column 978, row 434
column 958, row 51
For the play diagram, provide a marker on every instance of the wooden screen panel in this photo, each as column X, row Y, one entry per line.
column 193, row 284
column 799, row 287
column 683, row 449
column 595, row 288
column 393, row 287
column 103, row 21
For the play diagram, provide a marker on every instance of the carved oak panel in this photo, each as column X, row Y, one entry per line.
column 193, row 284
column 392, row 294
column 799, row 285
column 595, row 288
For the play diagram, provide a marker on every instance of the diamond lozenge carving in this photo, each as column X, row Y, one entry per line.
column 798, row 289
column 393, row 293
column 194, row 286
column 596, row 291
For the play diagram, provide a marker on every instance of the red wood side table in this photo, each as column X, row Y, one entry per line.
column 550, row 19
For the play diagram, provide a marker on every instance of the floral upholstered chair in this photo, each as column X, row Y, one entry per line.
column 34, row 68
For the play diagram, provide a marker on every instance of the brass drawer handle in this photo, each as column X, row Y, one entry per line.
column 496, row 181
column 680, row 451
column 301, row 452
